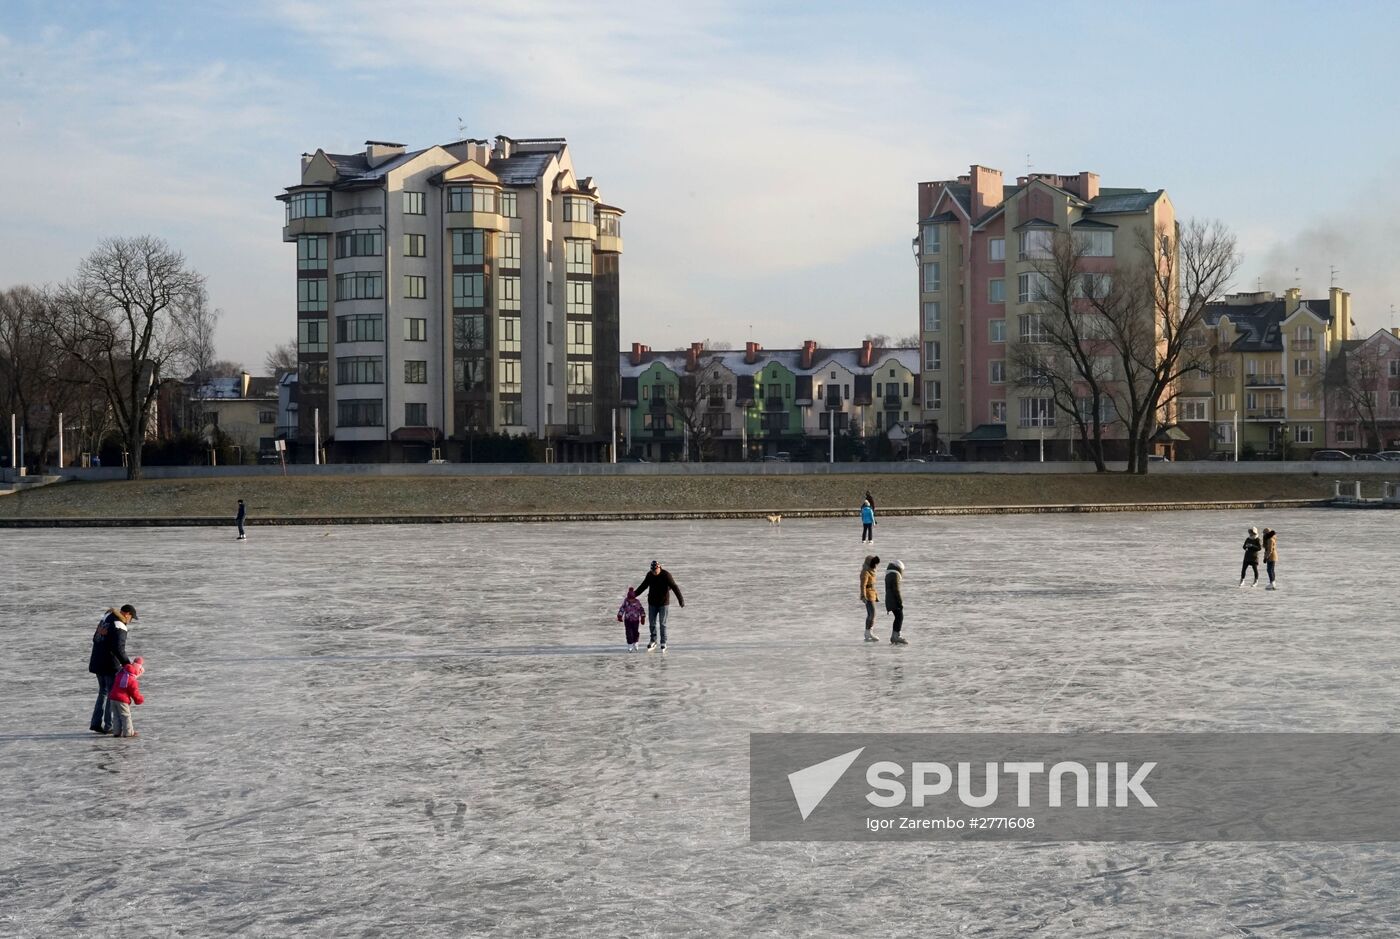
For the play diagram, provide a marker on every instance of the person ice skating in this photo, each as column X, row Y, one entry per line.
column 126, row 691
column 108, row 656
column 867, row 522
column 869, row 498
column 894, row 600
column 1270, row 555
column 630, row 615
column 659, row 585
column 242, row 514
column 1252, row 546
column 868, row 595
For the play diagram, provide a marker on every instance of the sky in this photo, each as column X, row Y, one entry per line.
column 767, row 154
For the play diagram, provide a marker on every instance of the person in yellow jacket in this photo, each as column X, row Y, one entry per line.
column 868, row 594
column 1270, row 555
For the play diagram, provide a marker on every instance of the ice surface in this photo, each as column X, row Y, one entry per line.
column 434, row 730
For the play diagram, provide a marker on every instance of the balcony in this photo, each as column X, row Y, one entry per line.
column 892, row 402
column 716, row 402
column 1265, row 414
column 1263, row 381
column 774, row 404
column 1303, row 345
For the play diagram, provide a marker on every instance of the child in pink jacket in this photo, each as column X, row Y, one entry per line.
column 630, row 615
column 126, row 691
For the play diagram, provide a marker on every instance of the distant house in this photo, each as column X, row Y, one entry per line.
column 243, row 407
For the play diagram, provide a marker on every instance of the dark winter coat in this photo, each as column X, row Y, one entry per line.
column 659, row 585
column 1252, row 547
column 108, row 646
column 894, row 600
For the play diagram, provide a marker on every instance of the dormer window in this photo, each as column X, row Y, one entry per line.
column 471, row 199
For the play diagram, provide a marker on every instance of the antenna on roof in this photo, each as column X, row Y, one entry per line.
column 1297, row 279
column 1028, row 164
column 461, row 128
column 1333, row 280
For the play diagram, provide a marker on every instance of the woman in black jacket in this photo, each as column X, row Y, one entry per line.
column 107, row 657
column 1252, row 547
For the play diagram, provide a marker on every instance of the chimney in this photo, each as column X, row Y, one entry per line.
column 305, row 161
column 809, row 349
column 986, row 190
column 1339, row 302
column 636, row 357
column 1291, row 298
column 867, row 353
column 751, row 350
column 381, row 151
column 504, row 147
column 692, row 356
column 1088, row 185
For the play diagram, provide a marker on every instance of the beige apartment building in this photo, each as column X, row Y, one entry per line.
column 978, row 246
column 460, row 289
column 1270, row 357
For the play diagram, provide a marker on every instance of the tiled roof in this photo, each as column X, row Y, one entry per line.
column 1120, row 201
column 1093, row 223
column 941, row 217
column 1260, row 324
column 522, row 169
column 1034, row 223
column 961, row 192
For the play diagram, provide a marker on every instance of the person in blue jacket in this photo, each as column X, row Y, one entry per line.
column 107, row 658
column 867, row 522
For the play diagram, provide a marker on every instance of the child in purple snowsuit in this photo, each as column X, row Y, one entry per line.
column 630, row 615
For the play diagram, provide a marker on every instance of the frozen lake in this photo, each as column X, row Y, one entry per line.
column 435, row 730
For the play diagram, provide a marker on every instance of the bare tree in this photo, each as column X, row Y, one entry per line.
column 130, row 316
column 692, row 407
column 910, row 341
column 1154, row 320
column 1354, row 382
column 282, row 358
column 203, row 322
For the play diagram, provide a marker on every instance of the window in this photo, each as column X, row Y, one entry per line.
column 312, row 335
column 578, row 209
column 415, row 246
column 1251, row 401
column 1304, row 400
column 1085, row 408
column 933, row 355
column 415, row 372
column 308, row 205
column 659, row 422
column 359, row 285
column 1302, row 337
column 996, row 330
column 510, row 376
column 1037, row 412
column 468, row 246
column 580, row 338
column 510, row 208
column 468, row 374
column 996, row 249
column 933, row 239
column 469, row 331
column 1032, row 329
column 549, row 332
column 1094, row 244
column 471, row 199
column 1372, row 399
column 508, row 249
column 267, row 417
column 549, row 292
column 996, row 290
column 1225, row 402
column 508, row 334
column 1193, row 409
column 414, row 203
column 1302, row 367
column 933, row 317
column 508, row 293
column 311, row 252
column 415, row 415
column 364, row 328
column 1037, row 243
column 1346, row 433
column 933, row 395
column 1092, row 286
column 360, row 243
column 579, row 378
column 996, row 371
column 1032, row 288
column 415, row 330
column 468, row 290
column 1225, row 433
column 359, row 370
column 311, row 295
column 1395, row 368
column 579, row 413
column 415, row 287
column 998, row 412
column 609, row 223
column 360, row 412
column 580, row 298
column 512, row 413
column 1303, row 433
column 1395, row 399
column 933, row 276
column 578, row 256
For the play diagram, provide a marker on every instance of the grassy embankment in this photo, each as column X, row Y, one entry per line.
column 273, row 497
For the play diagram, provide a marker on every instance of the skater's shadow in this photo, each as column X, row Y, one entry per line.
column 67, row 736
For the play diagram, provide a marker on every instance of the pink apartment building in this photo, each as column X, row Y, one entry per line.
column 978, row 245
column 1363, row 394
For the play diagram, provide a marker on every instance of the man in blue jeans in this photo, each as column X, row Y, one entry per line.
column 107, row 658
column 659, row 584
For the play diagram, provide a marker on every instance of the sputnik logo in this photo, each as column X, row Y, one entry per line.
column 810, row 785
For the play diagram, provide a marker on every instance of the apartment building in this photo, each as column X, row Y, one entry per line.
column 1266, row 385
column 978, row 248
column 758, row 402
column 1363, row 393
column 464, row 288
